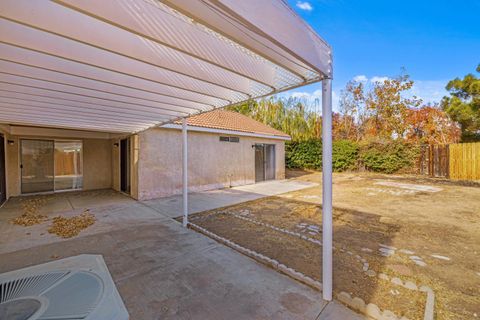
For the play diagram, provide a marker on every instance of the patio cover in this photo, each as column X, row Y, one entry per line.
column 127, row 65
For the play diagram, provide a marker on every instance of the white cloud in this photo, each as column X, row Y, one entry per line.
column 304, row 5
column 378, row 79
column 430, row 91
column 360, row 78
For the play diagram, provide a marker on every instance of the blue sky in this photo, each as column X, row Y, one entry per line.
column 434, row 40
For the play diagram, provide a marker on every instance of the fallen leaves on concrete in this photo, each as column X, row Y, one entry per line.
column 69, row 227
column 30, row 214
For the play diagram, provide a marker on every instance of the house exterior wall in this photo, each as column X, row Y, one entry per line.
column 211, row 163
column 97, row 156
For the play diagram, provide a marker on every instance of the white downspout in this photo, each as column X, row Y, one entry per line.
column 327, row 225
column 184, row 171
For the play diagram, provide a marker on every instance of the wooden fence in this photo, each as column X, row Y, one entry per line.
column 465, row 161
column 459, row 161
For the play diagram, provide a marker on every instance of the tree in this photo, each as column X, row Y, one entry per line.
column 389, row 107
column 431, row 125
column 463, row 105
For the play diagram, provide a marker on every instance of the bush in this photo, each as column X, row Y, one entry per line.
column 304, row 154
column 388, row 157
column 308, row 155
column 345, row 155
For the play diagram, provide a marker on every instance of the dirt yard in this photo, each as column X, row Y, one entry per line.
column 424, row 231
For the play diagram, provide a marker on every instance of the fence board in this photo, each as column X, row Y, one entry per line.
column 464, row 161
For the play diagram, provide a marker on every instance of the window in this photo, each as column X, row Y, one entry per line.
column 230, row 139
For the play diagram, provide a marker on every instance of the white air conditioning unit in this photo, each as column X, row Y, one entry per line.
column 73, row 288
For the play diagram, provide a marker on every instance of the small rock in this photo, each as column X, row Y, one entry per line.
column 410, row 285
column 440, row 257
column 371, row 273
column 367, row 250
column 405, row 251
column 386, row 252
column 420, row 263
column 383, row 276
column 397, row 281
column 387, row 247
column 365, row 267
column 373, row 311
column 388, row 315
column 358, row 304
column 344, row 297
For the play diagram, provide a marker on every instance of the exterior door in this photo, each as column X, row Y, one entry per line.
column 3, row 185
column 269, row 162
column 37, row 165
column 264, row 162
column 259, row 163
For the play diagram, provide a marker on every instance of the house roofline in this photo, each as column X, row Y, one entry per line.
column 225, row 131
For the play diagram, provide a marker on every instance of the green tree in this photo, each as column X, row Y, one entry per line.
column 463, row 105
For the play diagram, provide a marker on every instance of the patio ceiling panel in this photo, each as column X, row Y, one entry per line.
column 37, row 60
column 147, row 62
column 34, row 73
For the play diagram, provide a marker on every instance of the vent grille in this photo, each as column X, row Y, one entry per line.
column 70, row 294
column 33, row 285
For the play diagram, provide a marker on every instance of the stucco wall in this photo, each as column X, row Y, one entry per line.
column 212, row 164
column 97, row 160
column 97, row 164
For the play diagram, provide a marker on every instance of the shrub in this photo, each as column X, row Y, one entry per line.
column 308, row 155
column 388, row 157
column 305, row 154
column 345, row 155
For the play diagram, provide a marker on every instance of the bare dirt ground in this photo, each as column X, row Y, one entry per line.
column 421, row 230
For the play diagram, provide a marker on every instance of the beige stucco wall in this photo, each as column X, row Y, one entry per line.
column 97, row 164
column 97, row 158
column 212, row 164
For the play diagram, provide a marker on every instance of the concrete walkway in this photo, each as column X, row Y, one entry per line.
column 162, row 270
column 213, row 199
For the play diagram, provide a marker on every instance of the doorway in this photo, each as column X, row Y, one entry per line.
column 50, row 165
column 125, row 165
column 3, row 183
column 264, row 162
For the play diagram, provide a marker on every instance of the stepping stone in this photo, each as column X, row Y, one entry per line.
column 388, row 247
column 386, row 252
column 440, row 257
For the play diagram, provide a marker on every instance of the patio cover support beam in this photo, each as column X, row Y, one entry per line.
column 184, row 171
column 327, row 225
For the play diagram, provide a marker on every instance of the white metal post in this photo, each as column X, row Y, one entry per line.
column 327, row 225
column 184, row 171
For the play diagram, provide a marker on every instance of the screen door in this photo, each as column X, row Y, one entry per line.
column 37, row 165
column 264, row 162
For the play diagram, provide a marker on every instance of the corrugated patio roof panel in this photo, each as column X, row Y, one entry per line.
column 148, row 62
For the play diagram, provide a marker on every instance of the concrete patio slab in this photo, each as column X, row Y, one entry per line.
column 164, row 271
column 213, row 199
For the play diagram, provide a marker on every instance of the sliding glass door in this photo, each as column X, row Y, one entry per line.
column 68, row 165
column 49, row 165
column 37, row 166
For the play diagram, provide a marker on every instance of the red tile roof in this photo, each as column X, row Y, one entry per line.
column 234, row 121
